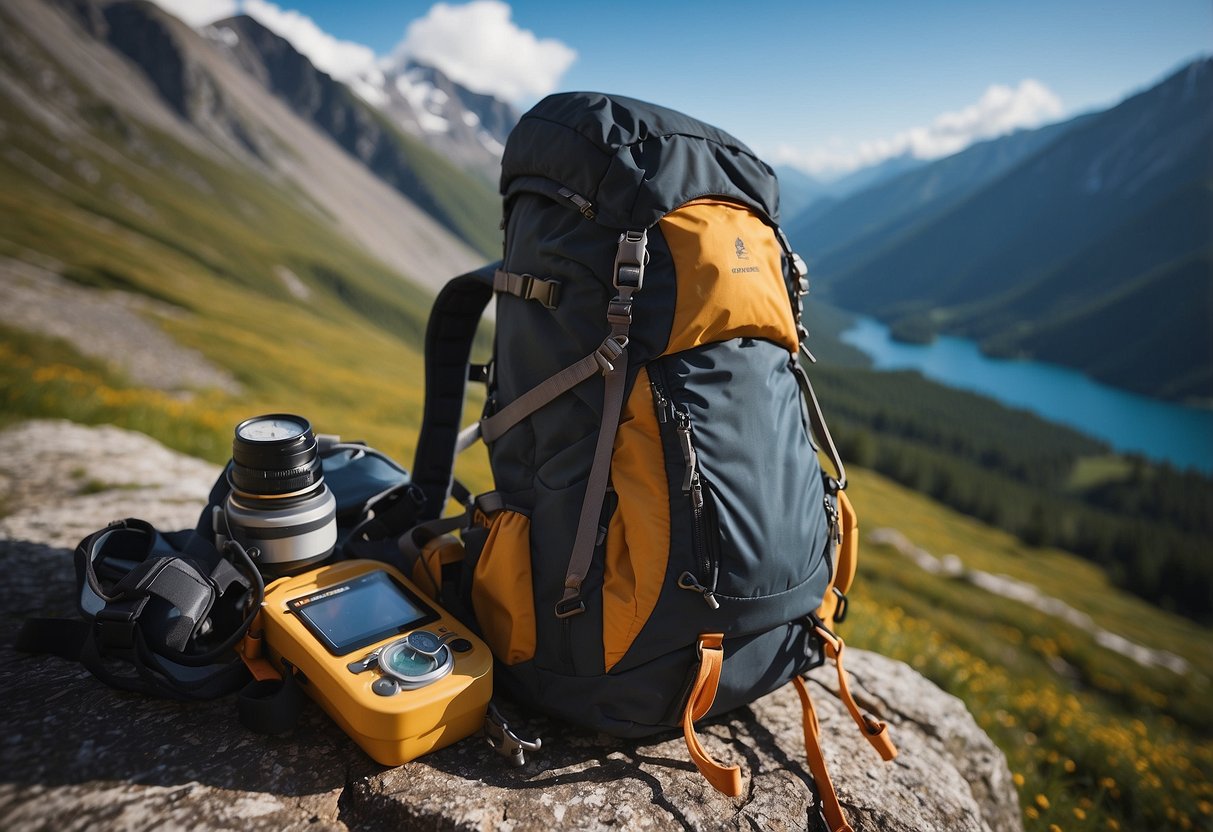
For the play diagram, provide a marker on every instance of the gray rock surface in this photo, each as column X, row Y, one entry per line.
column 75, row 754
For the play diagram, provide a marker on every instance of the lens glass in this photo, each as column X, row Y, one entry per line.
column 271, row 429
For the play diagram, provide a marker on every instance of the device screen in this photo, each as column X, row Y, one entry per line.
column 361, row 611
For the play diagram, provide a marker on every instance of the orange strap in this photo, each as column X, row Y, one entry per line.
column 249, row 650
column 725, row 779
column 830, row 807
column 874, row 731
column 848, row 545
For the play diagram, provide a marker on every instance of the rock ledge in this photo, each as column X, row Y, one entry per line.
column 75, row 754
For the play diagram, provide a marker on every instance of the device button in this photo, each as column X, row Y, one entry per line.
column 460, row 645
column 385, row 686
column 363, row 664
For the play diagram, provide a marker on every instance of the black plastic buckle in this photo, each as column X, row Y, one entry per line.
column 116, row 626
column 546, row 292
column 630, row 260
column 394, row 496
column 619, row 311
column 567, row 608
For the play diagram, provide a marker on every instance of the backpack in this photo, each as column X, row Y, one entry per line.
column 661, row 544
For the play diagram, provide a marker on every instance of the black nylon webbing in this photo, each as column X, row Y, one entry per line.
column 448, row 345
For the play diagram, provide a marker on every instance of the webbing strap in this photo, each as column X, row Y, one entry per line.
column 527, row 287
column 628, row 278
column 600, row 360
column 873, row 730
column 818, row 420
column 826, row 796
column 725, row 779
column 448, row 345
column 272, row 702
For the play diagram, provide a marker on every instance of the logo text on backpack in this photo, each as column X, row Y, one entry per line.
column 742, row 254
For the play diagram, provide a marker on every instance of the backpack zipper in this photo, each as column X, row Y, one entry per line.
column 833, row 533
column 660, row 402
column 692, row 484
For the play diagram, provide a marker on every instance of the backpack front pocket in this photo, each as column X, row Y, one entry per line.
column 745, row 488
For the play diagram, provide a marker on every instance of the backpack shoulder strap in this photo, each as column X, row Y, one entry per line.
column 448, row 346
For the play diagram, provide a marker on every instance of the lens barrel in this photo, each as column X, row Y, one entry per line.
column 279, row 505
column 265, row 464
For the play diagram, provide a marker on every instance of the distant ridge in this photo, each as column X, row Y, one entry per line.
column 1038, row 254
column 465, row 204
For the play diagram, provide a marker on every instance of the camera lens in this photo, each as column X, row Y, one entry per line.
column 279, row 504
column 275, row 456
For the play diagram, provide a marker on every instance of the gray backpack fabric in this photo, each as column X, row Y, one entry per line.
column 649, row 425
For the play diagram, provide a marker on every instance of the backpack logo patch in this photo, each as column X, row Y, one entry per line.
column 742, row 254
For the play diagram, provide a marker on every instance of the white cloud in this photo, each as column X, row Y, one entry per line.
column 479, row 46
column 199, row 12
column 1000, row 110
column 342, row 59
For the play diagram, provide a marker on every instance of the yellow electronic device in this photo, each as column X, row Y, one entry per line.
column 399, row 674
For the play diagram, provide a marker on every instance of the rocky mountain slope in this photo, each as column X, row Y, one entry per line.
column 467, row 127
column 126, row 85
column 413, row 131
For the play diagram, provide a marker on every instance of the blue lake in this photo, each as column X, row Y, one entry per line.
column 1128, row 422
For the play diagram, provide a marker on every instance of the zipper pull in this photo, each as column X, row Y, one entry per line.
column 689, row 457
column 835, row 525
column 583, row 205
column 696, row 490
column 659, row 399
column 688, row 581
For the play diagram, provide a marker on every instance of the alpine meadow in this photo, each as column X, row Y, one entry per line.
column 198, row 224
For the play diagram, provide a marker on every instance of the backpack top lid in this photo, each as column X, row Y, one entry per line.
column 633, row 160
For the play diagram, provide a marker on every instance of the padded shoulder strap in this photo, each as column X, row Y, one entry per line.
column 448, row 345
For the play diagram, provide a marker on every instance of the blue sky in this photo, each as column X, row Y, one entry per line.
column 827, row 84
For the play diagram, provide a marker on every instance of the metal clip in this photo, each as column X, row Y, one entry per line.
column 802, row 274
column 504, row 741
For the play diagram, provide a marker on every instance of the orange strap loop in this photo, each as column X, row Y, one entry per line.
column 249, row 650
column 830, row 807
column 725, row 779
column 874, row 731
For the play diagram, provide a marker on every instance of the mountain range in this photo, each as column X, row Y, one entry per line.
column 1087, row 243
column 125, row 85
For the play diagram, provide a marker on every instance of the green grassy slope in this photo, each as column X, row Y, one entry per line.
column 117, row 205
column 1095, row 740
